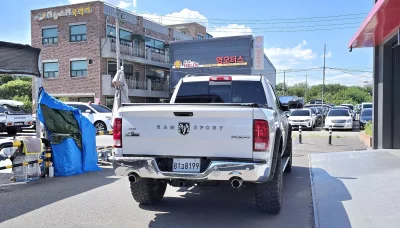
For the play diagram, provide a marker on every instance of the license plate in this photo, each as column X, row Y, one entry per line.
column 18, row 124
column 189, row 165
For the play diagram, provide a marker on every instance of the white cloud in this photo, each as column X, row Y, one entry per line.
column 230, row 30
column 124, row 5
column 134, row 3
column 328, row 55
column 186, row 15
column 120, row 4
column 298, row 56
column 79, row 1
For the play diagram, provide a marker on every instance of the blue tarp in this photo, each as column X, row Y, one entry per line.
column 67, row 158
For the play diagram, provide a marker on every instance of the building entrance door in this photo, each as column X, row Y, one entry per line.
column 396, row 96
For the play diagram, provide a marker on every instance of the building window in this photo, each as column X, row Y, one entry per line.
column 156, row 75
column 50, row 36
column 78, row 68
column 110, row 102
column 137, row 75
column 77, row 33
column 124, row 36
column 112, row 69
column 155, row 45
column 208, row 36
column 200, row 37
column 50, row 70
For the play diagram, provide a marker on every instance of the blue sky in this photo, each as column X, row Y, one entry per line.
column 286, row 50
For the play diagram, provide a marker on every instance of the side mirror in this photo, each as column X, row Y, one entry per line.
column 6, row 112
column 88, row 111
column 285, row 108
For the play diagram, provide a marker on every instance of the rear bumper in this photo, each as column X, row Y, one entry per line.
column 146, row 167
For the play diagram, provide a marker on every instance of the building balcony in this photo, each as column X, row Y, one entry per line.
column 134, row 53
column 137, row 87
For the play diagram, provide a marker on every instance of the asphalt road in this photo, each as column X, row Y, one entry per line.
column 101, row 199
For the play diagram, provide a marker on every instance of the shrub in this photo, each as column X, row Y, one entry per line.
column 368, row 128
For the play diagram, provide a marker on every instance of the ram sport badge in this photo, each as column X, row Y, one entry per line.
column 184, row 128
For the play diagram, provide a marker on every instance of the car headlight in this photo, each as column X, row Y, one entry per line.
column 306, row 120
column 349, row 121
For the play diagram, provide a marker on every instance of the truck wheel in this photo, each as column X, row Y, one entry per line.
column 148, row 191
column 269, row 195
column 12, row 131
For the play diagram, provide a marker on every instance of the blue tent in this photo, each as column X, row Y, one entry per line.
column 74, row 152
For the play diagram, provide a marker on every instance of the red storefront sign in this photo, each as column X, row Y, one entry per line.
column 229, row 59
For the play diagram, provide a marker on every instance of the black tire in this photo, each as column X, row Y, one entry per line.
column 269, row 195
column 12, row 131
column 100, row 126
column 148, row 191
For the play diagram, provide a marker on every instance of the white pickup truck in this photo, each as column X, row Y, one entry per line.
column 13, row 118
column 216, row 130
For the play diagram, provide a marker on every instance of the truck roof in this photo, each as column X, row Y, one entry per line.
column 234, row 78
column 11, row 103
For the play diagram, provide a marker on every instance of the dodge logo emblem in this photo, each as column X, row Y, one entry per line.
column 184, row 128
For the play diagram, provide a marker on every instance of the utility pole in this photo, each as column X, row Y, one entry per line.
column 117, row 37
column 284, row 83
column 323, row 83
column 305, row 92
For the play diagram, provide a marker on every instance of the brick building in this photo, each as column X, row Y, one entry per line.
column 79, row 51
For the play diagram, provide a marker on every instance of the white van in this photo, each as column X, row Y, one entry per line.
column 13, row 117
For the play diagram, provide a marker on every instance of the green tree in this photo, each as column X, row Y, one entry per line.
column 20, row 90
column 4, row 78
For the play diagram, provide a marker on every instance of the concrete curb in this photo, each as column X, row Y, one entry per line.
column 366, row 139
column 313, row 194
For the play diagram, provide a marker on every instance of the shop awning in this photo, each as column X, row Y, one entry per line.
column 382, row 22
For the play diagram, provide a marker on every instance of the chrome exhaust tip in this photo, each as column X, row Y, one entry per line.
column 237, row 183
column 133, row 178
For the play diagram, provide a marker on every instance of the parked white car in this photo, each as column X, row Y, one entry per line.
column 351, row 108
column 339, row 119
column 99, row 115
column 302, row 117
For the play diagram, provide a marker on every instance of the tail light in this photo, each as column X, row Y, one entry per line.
column 221, row 78
column 117, row 133
column 260, row 135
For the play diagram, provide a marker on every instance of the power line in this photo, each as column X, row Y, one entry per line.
column 270, row 19
column 188, row 20
column 304, row 26
column 284, row 31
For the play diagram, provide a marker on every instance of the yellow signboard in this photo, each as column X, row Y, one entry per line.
column 62, row 13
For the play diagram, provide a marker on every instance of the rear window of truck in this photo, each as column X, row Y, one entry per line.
column 234, row 92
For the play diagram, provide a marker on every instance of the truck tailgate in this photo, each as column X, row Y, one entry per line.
column 187, row 130
column 19, row 119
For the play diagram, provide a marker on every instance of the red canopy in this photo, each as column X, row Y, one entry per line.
column 382, row 22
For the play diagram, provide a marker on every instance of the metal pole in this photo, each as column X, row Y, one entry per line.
column 323, row 83
column 117, row 37
column 330, row 135
column 300, row 138
column 305, row 92
column 284, row 82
